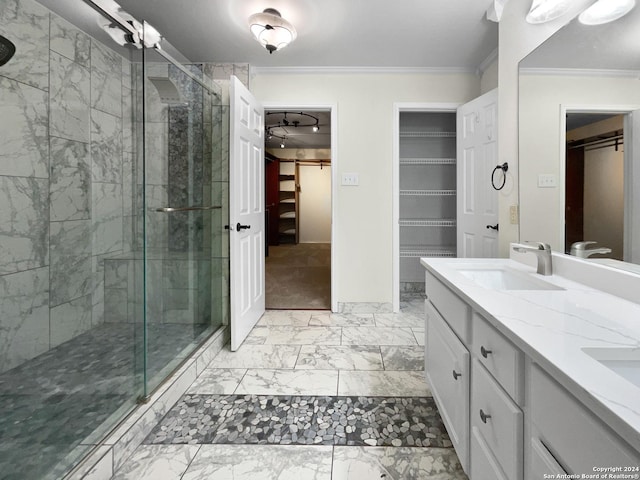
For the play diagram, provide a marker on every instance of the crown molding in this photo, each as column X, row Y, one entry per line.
column 487, row 61
column 581, row 72
column 358, row 70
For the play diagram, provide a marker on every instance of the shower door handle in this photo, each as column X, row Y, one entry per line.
column 187, row 209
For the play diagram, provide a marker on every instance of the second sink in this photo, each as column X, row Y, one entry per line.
column 625, row 361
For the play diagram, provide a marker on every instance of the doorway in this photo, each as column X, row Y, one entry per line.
column 298, row 177
column 594, row 182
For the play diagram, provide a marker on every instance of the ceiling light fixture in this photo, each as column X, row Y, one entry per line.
column 278, row 125
column 546, row 10
column 271, row 30
column 605, row 11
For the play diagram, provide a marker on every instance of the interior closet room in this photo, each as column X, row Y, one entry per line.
column 298, row 206
column 595, row 202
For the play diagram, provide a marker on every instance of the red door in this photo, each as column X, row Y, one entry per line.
column 272, row 191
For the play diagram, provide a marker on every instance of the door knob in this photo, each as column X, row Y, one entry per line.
column 240, row 227
column 484, row 417
column 493, row 227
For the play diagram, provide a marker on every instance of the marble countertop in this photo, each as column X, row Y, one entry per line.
column 553, row 326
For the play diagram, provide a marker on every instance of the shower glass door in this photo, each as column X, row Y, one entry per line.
column 112, row 255
column 182, row 210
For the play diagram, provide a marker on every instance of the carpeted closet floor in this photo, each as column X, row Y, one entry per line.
column 299, row 276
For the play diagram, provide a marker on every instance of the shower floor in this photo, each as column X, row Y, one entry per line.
column 59, row 403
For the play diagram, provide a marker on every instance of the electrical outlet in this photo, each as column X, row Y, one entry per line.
column 547, row 180
column 513, row 214
column 350, row 179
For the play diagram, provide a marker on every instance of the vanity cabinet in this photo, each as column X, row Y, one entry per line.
column 475, row 375
column 447, row 363
column 508, row 418
column 575, row 450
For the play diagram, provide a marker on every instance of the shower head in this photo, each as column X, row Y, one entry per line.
column 7, row 49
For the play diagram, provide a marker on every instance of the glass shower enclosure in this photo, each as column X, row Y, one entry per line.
column 113, row 256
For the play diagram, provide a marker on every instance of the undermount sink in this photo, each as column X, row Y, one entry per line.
column 624, row 361
column 503, row 278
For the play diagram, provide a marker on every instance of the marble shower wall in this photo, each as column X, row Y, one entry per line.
column 66, row 179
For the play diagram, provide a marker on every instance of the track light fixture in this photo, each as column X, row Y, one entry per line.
column 280, row 127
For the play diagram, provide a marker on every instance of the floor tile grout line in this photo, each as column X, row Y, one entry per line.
column 189, row 464
column 240, row 382
column 295, row 364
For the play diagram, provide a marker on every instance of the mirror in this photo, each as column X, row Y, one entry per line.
column 577, row 94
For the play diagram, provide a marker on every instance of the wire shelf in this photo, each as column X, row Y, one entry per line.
column 427, row 161
column 428, row 222
column 427, row 192
column 428, row 134
column 416, row 251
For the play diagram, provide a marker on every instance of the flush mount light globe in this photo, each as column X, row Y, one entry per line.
column 605, row 11
column 271, row 30
column 546, row 10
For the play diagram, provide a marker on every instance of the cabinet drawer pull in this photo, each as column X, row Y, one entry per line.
column 484, row 416
column 456, row 375
column 485, row 353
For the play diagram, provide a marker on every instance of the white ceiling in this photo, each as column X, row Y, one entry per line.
column 361, row 33
column 612, row 46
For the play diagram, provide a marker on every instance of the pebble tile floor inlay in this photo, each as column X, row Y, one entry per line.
column 302, row 420
column 309, row 396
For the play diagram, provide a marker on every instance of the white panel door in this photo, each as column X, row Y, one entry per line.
column 477, row 152
column 632, row 187
column 246, row 212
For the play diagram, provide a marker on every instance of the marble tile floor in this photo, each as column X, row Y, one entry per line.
column 53, row 403
column 238, row 419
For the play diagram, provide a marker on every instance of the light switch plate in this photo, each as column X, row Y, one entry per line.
column 547, row 180
column 513, row 214
column 350, row 179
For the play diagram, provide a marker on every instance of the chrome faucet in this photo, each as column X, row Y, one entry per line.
column 542, row 251
column 579, row 249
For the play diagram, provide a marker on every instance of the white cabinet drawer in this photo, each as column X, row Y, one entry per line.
column 542, row 462
column 500, row 357
column 499, row 422
column 577, row 439
column 451, row 307
column 484, row 466
column 448, row 375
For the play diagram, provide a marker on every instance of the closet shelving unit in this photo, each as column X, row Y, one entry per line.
column 288, row 206
column 427, row 190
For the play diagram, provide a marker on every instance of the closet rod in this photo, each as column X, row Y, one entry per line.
column 601, row 141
